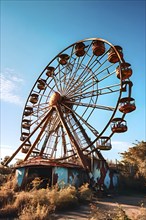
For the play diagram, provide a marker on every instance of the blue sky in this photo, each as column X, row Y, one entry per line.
column 33, row 32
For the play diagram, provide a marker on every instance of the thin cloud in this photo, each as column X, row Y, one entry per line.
column 6, row 150
column 118, row 147
column 10, row 84
column 121, row 145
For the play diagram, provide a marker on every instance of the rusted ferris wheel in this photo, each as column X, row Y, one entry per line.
column 77, row 103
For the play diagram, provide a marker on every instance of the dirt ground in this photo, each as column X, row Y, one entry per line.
column 130, row 204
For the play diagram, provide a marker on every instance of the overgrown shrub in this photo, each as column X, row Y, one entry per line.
column 17, row 204
column 67, row 197
column 40, row 212
column 5, row 173
column 6, row 197
column 142, row 215
column 132, row 184
column 85, row 193
column 120, row 214
column 9, row 210
column 22, row 199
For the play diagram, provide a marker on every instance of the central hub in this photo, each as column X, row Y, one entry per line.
column 55, row 98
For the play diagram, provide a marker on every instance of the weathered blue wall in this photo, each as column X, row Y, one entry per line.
column 67, row 176
column 102, row 176
column 20, row 175
column 60, row 176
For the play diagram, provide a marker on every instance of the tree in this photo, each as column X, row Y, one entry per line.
column 135, row 158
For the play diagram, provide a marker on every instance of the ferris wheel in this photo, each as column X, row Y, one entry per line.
column 77, row 103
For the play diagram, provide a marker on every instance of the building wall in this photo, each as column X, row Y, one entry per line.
column 102, row 176
column 68, row 176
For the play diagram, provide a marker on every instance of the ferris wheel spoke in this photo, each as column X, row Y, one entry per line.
column 59, row 77
column 108, row 75
column 64, row 76
column 83, row 75
column 30, row 135
column 98, row 60
column 100, row 91
column 84, row 87
column 63, row 142
column 93, row 75
column 49, row 132
column 44, row 122
column 46, row 104
column 76, row 89
column 51, row 88
column 54, row 148
column 109, row 108
column 91, row 79
column 44, row 144
column 81, row 87
column 67, row 79
column 36, row 122
column 41, row 105
column 71, row 81
column 94, row 81
column 41, row 109
column 36, row 110
column 56, row 83
column 101, row 64
column 39, row 94
column 88, row 69
column 75, row 81
column 79, row 66
column 105, row 69
column 72, row 139
column 93, row 130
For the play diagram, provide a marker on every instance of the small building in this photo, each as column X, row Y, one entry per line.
column 64, row 173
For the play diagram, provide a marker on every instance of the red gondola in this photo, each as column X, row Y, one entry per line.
column 98, row 48
column 118, row 125
column 112, row 55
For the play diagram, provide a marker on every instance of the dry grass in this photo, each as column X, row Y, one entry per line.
column 40, row 212
column 67, row 197
column 85, row 193
column 6, row 197
column 142, row 215
column 42, row 203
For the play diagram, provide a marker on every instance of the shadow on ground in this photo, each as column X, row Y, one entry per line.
column 130, row 204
